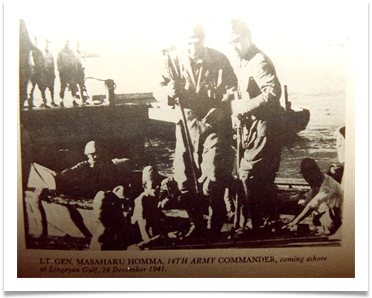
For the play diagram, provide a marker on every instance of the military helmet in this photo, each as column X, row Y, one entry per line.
column 195, row 32
column 239, row 29
column 90, row 148
column 150, row 173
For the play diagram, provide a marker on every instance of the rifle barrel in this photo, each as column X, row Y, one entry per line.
column 189, row 147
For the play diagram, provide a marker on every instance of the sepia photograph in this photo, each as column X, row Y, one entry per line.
column 186, row 146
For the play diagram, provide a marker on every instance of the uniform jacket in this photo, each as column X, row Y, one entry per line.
column 85, row 181
column 260, row 86
column 38, row 69
column 204, row 85
column 258, row 83
column 205, row 81
column 49, row 63
column 66, row 61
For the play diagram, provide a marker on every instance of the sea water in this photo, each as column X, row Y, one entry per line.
column 315, row 75
column 317, row 82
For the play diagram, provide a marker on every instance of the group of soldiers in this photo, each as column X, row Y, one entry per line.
column 39, row 70
column 213, row 100
column 203, row 84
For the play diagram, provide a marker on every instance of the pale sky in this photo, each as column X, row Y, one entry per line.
column 130, row 48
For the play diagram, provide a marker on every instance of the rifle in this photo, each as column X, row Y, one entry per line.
column 238, row 125
column 175, row 76
column 241, row 188
column 189, row 148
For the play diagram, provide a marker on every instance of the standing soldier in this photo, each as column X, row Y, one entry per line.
column 80, row 76
column 197, row 80
column 25, row 47
column 260, row 110
column 37, row 76
column 49, row 76
column 67, row 67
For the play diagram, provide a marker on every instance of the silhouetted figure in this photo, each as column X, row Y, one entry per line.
column 259, row 108
column 80, row 75
column 49, row 75
column 37, row 76
column 67, row 67
column 197, row 80
column 25, row 47
column 86, row 179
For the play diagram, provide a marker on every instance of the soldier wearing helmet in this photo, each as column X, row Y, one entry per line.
column 88, row 177
column 67, row 68
column 199, row 78
column 259, row 105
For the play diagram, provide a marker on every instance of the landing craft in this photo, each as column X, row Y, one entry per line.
column 53, row 139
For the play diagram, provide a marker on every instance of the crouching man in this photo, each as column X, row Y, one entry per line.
column 324, row 200
column 148, row 209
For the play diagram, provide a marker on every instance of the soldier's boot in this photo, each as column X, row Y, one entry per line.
column 45, row 104
column 31, row 101
column 53, row 102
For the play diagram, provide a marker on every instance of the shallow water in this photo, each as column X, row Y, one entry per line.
column 324, row 94
column 315, row 80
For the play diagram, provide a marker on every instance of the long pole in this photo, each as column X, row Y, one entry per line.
column 189, row 147
column 238, row 124
column 174, row 74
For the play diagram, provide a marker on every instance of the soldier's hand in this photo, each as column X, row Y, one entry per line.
column 213, row 116
column 230, row 94
column 208, row 185
column 292, row 226
column 163, row 203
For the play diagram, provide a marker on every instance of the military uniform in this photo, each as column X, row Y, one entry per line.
column 85, row 181
column 260, row 88
column 203, row 85
column 50, row 75
column 80, row 74
column 67, row 67
column 25, row 47
column 38, row 74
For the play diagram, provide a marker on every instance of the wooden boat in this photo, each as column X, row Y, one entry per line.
column 55, row 138
column 48, row 225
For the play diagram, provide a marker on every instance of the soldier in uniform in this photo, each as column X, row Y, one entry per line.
column 80, row 75
column 50, row 75
column 38, row 75
column 86, row 179
column 259, row 106
column 67, row 67
column 198, row 78
column 25, row 47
